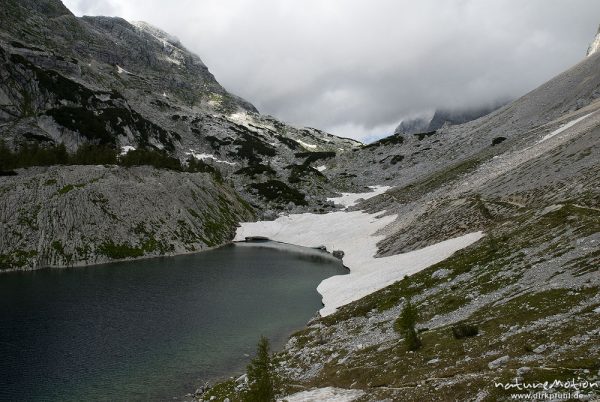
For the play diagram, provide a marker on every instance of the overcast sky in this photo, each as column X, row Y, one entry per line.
column 358, row 67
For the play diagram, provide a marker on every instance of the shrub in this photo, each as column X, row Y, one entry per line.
column 119, row 251
column 196, row 165
column 88, row 154
column 498, row 140
column 150, row 157
column 275, row 190
column 464, row 331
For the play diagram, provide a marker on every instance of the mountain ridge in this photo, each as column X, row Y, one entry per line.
column 101, row 81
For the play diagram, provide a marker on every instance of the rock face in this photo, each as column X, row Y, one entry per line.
column 413, row 126
column 64, row 216
column 595, row 45
column 443, row 117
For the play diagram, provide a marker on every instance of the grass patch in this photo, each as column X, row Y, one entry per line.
column 275, row 190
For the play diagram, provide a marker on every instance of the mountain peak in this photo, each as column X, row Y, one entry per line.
column 595, row 45
column 49, row 8
column 158, row 33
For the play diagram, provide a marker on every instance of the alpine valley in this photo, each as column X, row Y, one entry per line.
column 490, row 227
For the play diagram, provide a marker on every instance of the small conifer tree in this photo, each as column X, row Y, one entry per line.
column 261, row 378
column 405, row 324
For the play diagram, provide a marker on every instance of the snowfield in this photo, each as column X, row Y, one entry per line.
column 207, row 156
column 351, row 199
column 305, row 144
column 125, row 149
column 357, row 234
column 565, row 127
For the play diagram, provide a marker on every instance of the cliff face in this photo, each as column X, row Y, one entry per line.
column 64, row 216
column 595, row 45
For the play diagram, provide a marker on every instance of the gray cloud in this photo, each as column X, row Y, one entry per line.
column 358, row 67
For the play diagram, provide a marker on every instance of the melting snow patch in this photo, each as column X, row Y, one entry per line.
column 172, row 60
column 355, row 233
column 305, row 145
column 350, row 199
column 121, row 70
column 551, row 208
column 207, row 156
column 597, row 310
column 328, row 394
column 126, row 148
column 241, row 118
column 248, row 121
column 565, row 127
column 321, row 168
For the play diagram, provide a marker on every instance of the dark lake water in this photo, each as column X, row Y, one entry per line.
column 151, row 329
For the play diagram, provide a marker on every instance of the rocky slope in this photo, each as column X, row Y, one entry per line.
column 107, row 82
column 64, row 216
column 442, row 117
column 520, row 305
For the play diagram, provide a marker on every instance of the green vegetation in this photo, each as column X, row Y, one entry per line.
column 251, row 147
column 291, row 144
column 69, row 187
column 253, row 170
column 57, row 245
column 393, row 159
column 88, row 154
column 119, row 251
column 261, row 376
column 16, row 259
column 498, row 140
column 421, row 136
column 275, row 190
column 299, row 172
column 461, row 331
column 218, row 222
column 158, row 159
column 32, row 155
column 29, row 155
column 84, row 121
column 314, row 156
column 194, row 165
column 395, row 139
column 405, row 324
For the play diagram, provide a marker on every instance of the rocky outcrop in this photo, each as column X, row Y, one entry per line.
column 595, row 45
column 77, row 215
column 445, row 117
